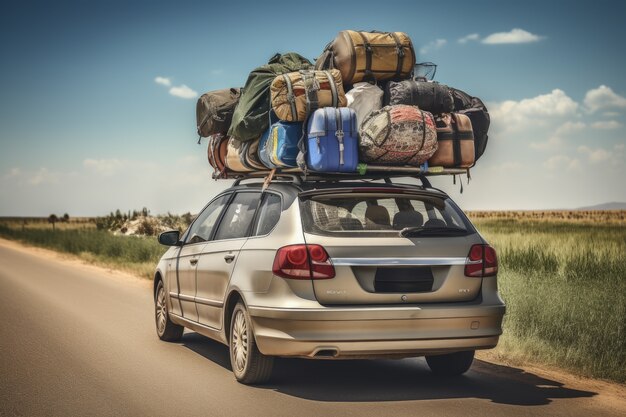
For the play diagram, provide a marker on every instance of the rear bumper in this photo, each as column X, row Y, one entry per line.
column 341, row 332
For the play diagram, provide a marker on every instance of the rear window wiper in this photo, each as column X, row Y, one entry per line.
column 425, row 231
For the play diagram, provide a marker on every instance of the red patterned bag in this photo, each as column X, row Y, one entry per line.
column 398, row 135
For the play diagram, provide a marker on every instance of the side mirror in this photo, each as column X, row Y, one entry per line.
column 170, row 238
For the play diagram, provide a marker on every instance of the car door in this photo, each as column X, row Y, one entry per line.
column 194, row 242
column 218, row 257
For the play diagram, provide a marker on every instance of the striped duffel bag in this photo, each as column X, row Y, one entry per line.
column 297, row 94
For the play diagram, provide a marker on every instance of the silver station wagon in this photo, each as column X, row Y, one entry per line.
column 331, row 269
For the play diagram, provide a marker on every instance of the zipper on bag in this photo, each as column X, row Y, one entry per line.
column 339, row 134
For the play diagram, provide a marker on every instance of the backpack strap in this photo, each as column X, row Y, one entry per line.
column 291, row 98
column 368, row 56
column 333, row 88
column 400, row 54
column 310, row 88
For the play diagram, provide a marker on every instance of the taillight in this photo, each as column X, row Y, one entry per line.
column 303, row 262
column 481, row 262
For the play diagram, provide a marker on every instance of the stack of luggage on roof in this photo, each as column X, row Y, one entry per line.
column 359, row 106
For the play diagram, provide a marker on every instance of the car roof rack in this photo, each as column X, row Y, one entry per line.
column 372, row 172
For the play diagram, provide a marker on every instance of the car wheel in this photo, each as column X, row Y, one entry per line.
column 249, row 365
column 166, row 329
column 451, row 364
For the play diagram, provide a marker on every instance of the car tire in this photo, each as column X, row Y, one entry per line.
column 450, row 364
column 166, row 329
column 249, row 365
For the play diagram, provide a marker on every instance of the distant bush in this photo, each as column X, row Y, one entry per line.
column 141, row 223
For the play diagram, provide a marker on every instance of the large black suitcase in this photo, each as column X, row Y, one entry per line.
column 427, row 95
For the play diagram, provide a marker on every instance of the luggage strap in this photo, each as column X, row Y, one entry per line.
column 368, row 57
column 423, row 133
column 413, row 90
column 291, row 98
column 333, row 88
column 400, row 53
column 456, row 140
column 310, row 87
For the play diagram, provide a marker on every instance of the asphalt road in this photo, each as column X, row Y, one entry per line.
column 77, row 340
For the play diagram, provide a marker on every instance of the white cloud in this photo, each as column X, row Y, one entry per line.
column 595, row 155
column 514, row 36
column 615, row 156
column 608, row 125
column 555, row 103
column 104, row 167
column 13, row 173
column 183, row 91
column 163, row 81
column 559, row 162
column 506, row 166
column 433, row 45
column 570, row 127
column 43, row 176
column 470, row 37
column 605, row 98
column 554, row 142
column 511, row 115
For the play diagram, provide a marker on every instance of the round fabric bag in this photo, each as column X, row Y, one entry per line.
column 398, row 135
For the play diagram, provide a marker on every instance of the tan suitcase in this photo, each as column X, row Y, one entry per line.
column 217, row 149
column 455, row 140
column 297, row 94
column 242, row 156
column 369, row 56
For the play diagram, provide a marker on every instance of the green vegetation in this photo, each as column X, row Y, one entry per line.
column 564, row 284
column 136, row 254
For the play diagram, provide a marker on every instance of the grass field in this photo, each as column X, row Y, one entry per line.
column 135, row 254
column 562, row 275
column 564, row 283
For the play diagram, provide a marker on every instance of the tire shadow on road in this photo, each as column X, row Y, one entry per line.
column 396, row 380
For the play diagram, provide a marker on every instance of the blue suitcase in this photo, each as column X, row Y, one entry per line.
column 332, row 140
column 278, row 147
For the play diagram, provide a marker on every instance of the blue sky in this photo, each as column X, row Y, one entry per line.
column 85, row 129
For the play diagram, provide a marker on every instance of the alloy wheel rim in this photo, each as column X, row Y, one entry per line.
column 240, row 342
column 161, row 311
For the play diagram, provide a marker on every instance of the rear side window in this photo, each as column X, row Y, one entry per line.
column 269, row 213
column 370, row 214
column 238, row 216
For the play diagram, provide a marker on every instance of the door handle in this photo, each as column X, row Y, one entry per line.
column 229, row 258
column 193, row 261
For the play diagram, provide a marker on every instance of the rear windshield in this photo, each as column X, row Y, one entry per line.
column 375, row 215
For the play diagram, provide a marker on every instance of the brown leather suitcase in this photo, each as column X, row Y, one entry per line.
column 455, row 140
column 369, row 56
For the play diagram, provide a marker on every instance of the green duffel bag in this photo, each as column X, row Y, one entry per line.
column 251, row 117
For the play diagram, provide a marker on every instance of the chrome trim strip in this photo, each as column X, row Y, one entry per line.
column 398, row 261
column 182, row 297
column 200, row 300
column 208, row 302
